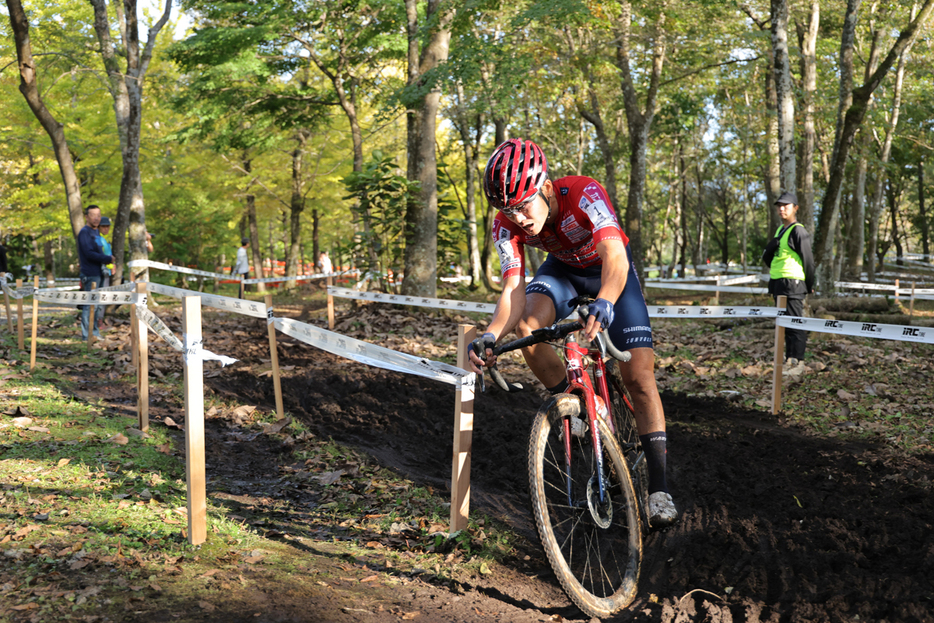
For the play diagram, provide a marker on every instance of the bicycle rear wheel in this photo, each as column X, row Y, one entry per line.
column 594, row 547
column 627, row 434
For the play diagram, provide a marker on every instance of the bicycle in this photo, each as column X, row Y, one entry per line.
column 587, row 479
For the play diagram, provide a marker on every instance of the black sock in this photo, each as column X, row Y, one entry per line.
column 655, row 446
column 559, row 388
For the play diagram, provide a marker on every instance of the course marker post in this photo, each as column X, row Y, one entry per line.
column 142, row 370
column 9, row 315
column 91, row 327
column 242, row 285
column 35, row 325
column 134, row 338
column 911, row 305
column 21, row 339
column 330, row 304
column 896, row 290
column 779, row 358
column 194, row 420
column 274, row 357
column 463, row 436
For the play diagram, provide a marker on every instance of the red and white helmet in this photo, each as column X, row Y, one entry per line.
column 516, row 171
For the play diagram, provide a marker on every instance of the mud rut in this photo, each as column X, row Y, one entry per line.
column 776, row 525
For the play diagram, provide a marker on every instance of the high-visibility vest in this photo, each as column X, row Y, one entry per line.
column 786, row 264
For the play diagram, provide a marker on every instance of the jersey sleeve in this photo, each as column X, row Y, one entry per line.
column 509, row 245
column 595, row 203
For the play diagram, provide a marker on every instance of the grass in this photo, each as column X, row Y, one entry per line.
column 88, row 501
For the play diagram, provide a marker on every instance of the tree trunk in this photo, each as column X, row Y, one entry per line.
column 876, row 205
column 639, row 121
column 29, row 87
column 470, row 146
column 785, row 95
column 296, row 206
column 592, row 114
column 807, row 41
column 253, row 230
column 773, row 173
column 421, row 218
column 850, row 117
column 922, row 214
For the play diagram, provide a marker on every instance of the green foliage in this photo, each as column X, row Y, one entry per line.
column 382, row 196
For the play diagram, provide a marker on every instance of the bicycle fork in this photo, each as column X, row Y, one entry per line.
column 580, row 381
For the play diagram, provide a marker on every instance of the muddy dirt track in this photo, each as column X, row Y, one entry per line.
column 776, row 525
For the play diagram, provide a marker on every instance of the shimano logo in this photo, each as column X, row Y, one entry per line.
column 834, row 324
column 871, row 328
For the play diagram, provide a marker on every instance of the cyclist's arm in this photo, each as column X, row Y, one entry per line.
column 505, row 317
column 612, row 277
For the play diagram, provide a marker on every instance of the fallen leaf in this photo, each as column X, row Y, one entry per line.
column 63, row 462
column 845, row 395
column 119, row 439
column 370, row 578
column 21, row 422
column 38, row 429
column 207, row 607
column 171, row 423
column 272, row 429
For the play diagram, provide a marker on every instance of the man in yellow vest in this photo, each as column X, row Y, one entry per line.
column 791, row 270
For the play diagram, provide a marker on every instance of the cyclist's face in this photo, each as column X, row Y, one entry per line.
column 532, row 215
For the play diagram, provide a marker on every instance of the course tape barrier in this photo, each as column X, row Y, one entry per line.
column 926, row 294
column 417, row 301
column 240, row 306
column 159, row 328
column 93, row 297
column 203, row 273
column 710, row 311
column 713, row 288
column 376, row 356
column 902, row 333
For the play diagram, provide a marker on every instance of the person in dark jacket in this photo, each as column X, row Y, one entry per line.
column 92, row 260
column 791, row 270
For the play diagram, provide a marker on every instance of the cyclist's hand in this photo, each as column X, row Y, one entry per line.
column 601, row 316
column 480, row 352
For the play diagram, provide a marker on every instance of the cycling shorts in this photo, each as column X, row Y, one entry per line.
column 562, row 284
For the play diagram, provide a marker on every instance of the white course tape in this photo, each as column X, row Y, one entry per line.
column 860, row 329
column 83, row 297
column 373, row 355
column 412, row 300
column 158, row 327
column 176, row 269
column 695, row 311
column 706, row 288
column 240, row 306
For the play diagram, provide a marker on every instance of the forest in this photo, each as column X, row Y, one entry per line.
column 362, row 127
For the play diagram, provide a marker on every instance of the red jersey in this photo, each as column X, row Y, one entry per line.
column 585, row 218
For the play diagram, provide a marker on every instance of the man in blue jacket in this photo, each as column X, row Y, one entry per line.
column 91, row 259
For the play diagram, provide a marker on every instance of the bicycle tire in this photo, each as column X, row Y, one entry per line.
column 627, row 434
column 597, row 565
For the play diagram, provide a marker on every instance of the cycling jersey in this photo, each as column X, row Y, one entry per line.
column 585, row 218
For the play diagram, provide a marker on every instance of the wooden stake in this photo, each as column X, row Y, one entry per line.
column 911, row 305
column 21, row 341
column 242, row 286
column 896, row 290
column 91, row 320
column 35, row 326
column 194, row 421
column 779, row 360
column 134, row 338
column 274, row 355
column 142, row 371
column 463, row 436
column 330, row 304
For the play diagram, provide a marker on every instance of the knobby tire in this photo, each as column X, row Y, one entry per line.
column 598, row 567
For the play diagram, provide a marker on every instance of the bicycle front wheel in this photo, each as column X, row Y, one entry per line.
column 593, row 545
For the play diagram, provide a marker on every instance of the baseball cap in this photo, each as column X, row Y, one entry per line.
column 105, row 221
column 787, row 197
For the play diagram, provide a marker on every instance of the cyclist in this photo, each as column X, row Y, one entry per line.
column 572, row 218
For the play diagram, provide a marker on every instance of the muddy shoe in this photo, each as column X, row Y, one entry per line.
column 662, row 511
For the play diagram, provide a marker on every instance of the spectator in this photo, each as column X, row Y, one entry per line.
column 242, row 267
column 91, row 259
column 106, row 271
column 791, row 271
column 149, row 247
column 324, row 263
